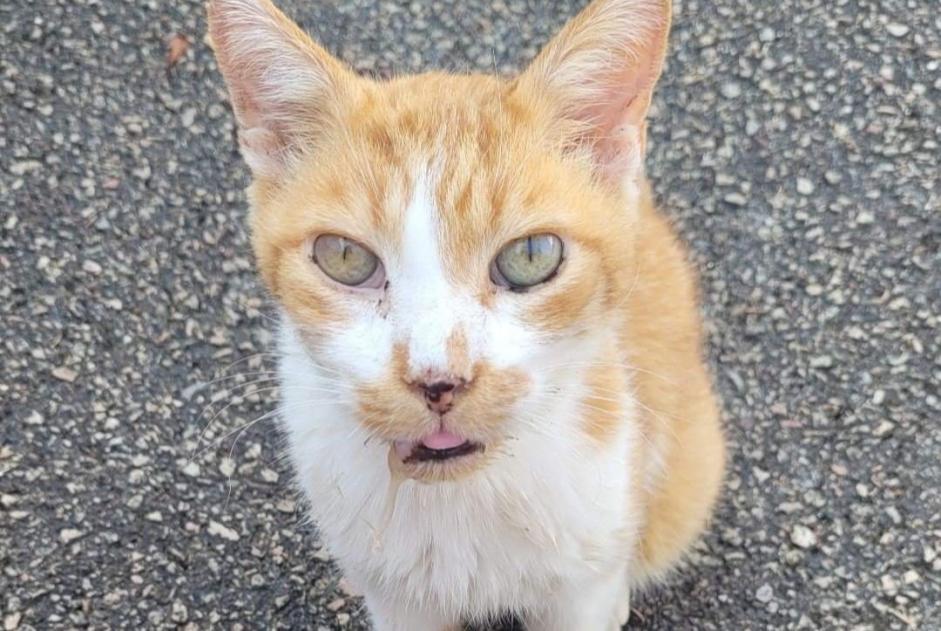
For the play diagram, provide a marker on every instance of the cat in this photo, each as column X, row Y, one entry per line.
column 490, row 354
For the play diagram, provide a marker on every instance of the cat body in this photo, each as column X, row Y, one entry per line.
column 490, row 352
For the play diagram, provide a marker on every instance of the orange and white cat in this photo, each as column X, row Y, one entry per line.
column 490, row 351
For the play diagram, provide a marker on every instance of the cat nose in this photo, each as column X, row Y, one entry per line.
column 439, row 395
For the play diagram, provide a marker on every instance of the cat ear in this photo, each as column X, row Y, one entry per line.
column 283, row 86
column 598, row 75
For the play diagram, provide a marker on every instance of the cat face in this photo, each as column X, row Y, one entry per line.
column 453, row 252
column 433, row 192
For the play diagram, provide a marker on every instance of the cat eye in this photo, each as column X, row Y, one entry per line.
column 347, row 262
column 528, row 261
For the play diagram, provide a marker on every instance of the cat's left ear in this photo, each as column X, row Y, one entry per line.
column 285, row 88
column 598, row 76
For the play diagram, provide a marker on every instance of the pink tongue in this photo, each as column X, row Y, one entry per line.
column 442, row 440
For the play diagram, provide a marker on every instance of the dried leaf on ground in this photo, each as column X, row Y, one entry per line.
column 176, row 49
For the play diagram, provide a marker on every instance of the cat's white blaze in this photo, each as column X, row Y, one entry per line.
column 477, row 546
column 427, row 309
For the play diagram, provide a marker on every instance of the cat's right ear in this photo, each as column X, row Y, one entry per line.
column 599, row 73
column 284, row 87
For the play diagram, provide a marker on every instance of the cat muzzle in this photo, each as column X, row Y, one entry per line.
column 437, row 447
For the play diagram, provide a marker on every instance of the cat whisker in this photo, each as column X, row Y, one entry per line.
column 250, row 357
column 261, row 390
column 612, row 363
column 660, row 416
column 271, row 413
column 218, row 413
column 231, row 393
column 255, row 373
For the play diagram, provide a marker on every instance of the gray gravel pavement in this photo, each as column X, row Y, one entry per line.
column 795, row 142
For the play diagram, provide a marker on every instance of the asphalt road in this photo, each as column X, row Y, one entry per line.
column 796, row 144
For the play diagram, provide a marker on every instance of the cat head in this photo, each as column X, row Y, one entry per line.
column 453, row 252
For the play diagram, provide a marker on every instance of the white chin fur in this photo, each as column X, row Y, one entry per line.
column 550, row 508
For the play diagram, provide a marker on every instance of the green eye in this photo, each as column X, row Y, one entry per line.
column 347, row 262
column 527, row 262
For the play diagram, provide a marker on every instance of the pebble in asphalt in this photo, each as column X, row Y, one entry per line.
column 794, row 142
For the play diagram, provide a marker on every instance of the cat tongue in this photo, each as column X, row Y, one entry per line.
column 442, row 439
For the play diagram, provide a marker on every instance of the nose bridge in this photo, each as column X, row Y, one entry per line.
column 429, row 328
column 437, row 342
column 432, row 313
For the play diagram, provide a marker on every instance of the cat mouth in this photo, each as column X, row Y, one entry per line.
column 440, row 446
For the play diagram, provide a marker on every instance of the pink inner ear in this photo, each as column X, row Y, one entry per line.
column 602, row 68
column 617, row 122
column 280, row 81
column 262, row 150
column 620, row 99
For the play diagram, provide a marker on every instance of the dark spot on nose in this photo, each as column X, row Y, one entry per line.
column 439, row 395
column 434, row 391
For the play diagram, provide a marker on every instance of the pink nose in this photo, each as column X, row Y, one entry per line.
column 439, row 396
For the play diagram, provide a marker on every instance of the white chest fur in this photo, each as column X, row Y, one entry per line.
column 550, row 509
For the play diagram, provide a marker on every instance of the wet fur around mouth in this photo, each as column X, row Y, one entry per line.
column 420, row 453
